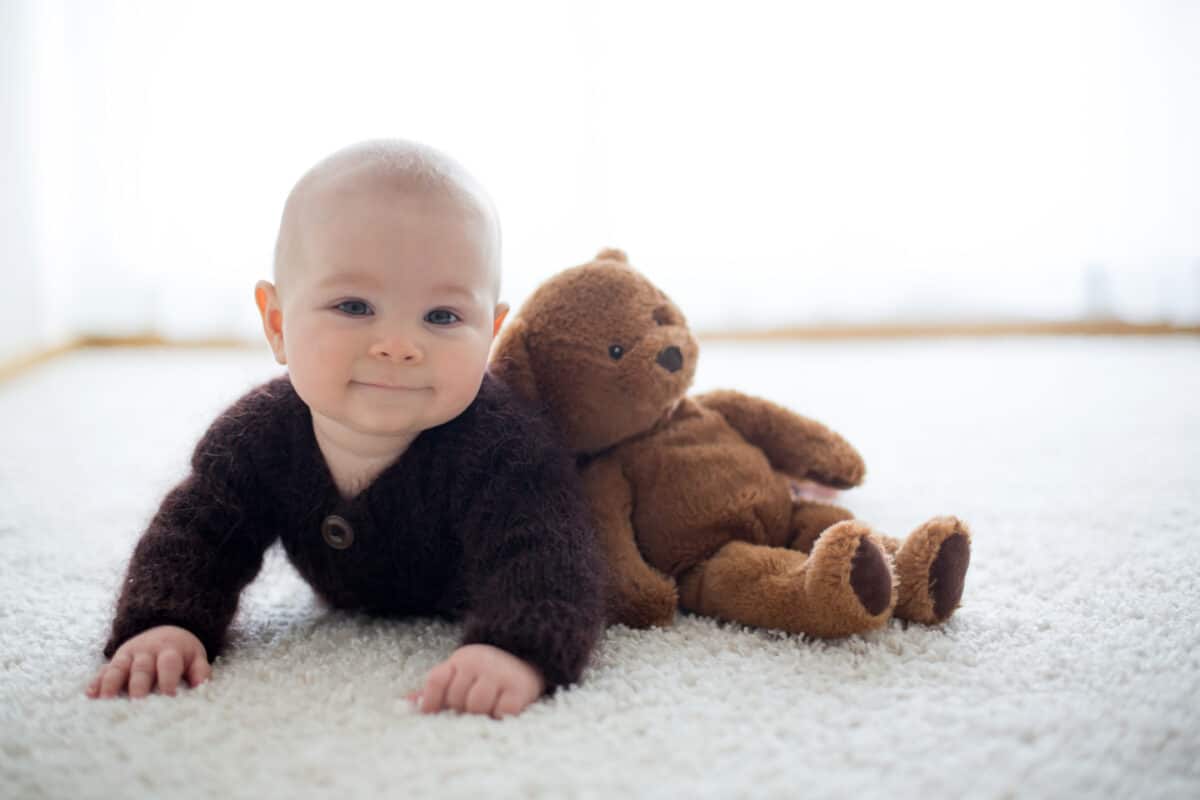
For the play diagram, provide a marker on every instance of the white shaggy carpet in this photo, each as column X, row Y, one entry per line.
column 1071, row 670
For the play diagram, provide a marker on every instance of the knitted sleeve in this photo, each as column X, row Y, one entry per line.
column 207, row 539
column 533, row 565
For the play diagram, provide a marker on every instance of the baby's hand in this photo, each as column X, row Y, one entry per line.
column 166, row 652
column 481, row 679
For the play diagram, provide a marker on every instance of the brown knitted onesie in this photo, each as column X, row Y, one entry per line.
column 482, row 519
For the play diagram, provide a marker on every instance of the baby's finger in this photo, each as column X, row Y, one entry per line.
column 94, row 686
column 508, row 704
column 170, row 668
column 482, row 697
column 198, row 671
column 456, row 693
column 141, row 680
column 434, row 693
column 114, row 675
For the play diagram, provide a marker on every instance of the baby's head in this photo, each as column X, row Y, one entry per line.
column 386, row 292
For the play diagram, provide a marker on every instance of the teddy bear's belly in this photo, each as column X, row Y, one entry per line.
column 693, row 498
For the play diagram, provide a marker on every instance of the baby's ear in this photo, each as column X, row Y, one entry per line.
column 267, row 300
column 510, row 361
column 498, row 318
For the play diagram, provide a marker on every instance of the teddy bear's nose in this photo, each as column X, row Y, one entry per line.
column 670, row 359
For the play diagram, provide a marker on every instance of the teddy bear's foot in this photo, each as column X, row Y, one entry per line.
column 931, row 567
column 849, row 581
column 845, row 586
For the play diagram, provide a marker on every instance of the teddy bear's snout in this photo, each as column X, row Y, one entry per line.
column 670, row 359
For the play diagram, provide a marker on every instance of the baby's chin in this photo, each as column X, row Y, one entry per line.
column 398, row 425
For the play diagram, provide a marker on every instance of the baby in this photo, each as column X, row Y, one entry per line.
column 399, row 476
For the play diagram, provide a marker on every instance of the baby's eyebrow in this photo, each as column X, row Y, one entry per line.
column 351, row 278
column 454, row 288
column 341, row 278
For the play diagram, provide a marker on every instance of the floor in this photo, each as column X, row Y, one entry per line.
column 1072, row 668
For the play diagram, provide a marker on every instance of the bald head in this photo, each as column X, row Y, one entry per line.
column 381, row 171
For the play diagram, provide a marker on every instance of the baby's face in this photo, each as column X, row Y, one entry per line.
column 388, row 309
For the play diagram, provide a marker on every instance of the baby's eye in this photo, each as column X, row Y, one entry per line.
column 355, row 308
column 441, row 316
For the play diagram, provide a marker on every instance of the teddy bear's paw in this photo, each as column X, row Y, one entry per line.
column 870, row 577
column 849, row 586
column 648, row 604
column 932, row 568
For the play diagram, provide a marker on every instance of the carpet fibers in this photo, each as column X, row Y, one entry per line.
column 1072, row 668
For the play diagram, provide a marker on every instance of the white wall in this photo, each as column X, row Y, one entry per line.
column 767, row 163
column 21, row 300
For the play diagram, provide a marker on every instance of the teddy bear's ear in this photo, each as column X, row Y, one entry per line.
column 612, row 254
column 510, row 361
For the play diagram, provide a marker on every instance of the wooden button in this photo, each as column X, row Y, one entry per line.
column 337, row 532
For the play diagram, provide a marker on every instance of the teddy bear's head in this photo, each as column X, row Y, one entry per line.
column 602, row 348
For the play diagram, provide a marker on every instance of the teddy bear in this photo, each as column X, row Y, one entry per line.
column 695, row 497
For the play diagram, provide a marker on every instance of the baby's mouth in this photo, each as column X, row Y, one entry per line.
column 391, row 387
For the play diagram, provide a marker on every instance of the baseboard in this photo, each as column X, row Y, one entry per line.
column 955, row 330
column 158, row 341
column 12, row 367
column 15, row 366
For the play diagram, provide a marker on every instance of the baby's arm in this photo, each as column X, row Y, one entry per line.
column 533, row 570
column 201, row 548
column 481, row 679
column 156, row 658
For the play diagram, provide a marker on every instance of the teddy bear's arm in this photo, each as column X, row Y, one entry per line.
column 794, row 445
column 636, row 594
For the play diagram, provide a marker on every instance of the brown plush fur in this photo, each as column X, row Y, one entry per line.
column 693, row 494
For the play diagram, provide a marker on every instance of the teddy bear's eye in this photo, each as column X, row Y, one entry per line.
column 616, row 351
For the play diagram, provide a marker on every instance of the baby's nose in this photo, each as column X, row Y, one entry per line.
column 398, row 348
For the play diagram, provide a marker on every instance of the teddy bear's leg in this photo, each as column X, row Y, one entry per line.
column 809, row 521
column 843, row 587
column 931, row 566
column 636, row 594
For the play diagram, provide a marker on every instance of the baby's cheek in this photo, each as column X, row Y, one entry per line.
column 456, row 400
column 314, row 382
column 453, row 397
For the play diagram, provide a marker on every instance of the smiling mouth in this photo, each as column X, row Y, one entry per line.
column 389, row 387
